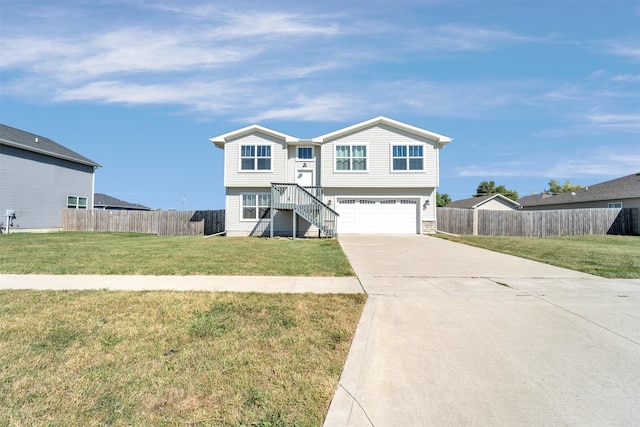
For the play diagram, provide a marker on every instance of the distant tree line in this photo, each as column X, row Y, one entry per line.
column 486, row 188
column 556, row 188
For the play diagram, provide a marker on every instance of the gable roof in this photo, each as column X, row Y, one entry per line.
column 626, row 187
column 104, row 201
column 476, row 202
column 441, row 140
column 220, row 140
column 38, row 144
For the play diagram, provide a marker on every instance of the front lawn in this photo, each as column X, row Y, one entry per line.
column 129, row 253
column 97, row 358
column 606, row 256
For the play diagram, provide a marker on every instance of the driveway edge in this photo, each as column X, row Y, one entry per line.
column 344, row 406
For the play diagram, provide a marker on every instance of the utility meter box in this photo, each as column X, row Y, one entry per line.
column 11, row 213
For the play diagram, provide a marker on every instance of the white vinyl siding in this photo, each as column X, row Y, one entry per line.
column 497, row 205
column 235, row 176
column 236, row 226
column 379, row 140
column 295, row 164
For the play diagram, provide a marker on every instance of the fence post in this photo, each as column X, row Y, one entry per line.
column 475, row 222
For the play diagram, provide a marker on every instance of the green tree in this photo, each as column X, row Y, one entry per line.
column 556, row 188
column 442, row 199
column 489, row 187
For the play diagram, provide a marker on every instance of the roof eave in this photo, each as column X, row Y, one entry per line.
column 50, row 154
column 221, row 140
column 440, row 140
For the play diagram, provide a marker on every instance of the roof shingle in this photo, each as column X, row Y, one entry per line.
column 627, row 187
column 31, row 142
column 104, row 201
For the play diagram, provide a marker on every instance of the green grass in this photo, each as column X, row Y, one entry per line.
column 129, row 253
column 101, row 358
column 605, row 256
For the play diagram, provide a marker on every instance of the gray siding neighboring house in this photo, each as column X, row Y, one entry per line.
column 39, row 178
column 494, row 202
column 105, row 202
column 621, row 192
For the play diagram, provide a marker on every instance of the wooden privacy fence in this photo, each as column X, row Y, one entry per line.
column 543, row 223
column 162, row 223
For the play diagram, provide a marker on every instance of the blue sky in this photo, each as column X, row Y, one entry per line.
column 529, row 90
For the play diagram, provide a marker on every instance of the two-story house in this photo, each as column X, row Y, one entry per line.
column 378, row 176
column 39, row 178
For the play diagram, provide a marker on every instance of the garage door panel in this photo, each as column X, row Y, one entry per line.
column 372, row 216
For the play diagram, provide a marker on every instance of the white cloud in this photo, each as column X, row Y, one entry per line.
column 628, row 49
column 325, row 107
column 273, row 24
column 210, row 96
column 630, row 78
column 286, row 64
column 460, row 38
column 580, row 164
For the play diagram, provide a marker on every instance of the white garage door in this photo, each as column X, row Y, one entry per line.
column 372, row 216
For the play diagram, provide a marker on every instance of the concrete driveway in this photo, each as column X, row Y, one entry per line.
column 455, row 335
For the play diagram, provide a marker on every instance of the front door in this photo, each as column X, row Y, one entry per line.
column 304, row 177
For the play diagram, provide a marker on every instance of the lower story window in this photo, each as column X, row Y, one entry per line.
column 256, row 206
column 74, row 202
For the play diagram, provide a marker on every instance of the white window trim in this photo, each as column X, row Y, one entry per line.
column 615, row 203
column 255, row 144
column 257, row 194
column 313, row 154
column 367, row 158
column 424, row 160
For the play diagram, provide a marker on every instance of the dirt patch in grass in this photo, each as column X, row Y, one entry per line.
column 169, row 358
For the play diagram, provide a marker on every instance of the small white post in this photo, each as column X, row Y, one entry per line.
column 294, row 224
column 475, row 222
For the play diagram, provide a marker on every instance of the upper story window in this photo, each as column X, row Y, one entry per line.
column 615, row 205
column 351, row 157
column 407, row 157
column 255, row 157
column 74, row 202
column 305, row 153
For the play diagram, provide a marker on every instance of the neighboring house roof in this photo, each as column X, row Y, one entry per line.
column 102, row 201
column 441, row 140
column 534, row 198
column 38, row 144
column 627, row 187
column 476, row 202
